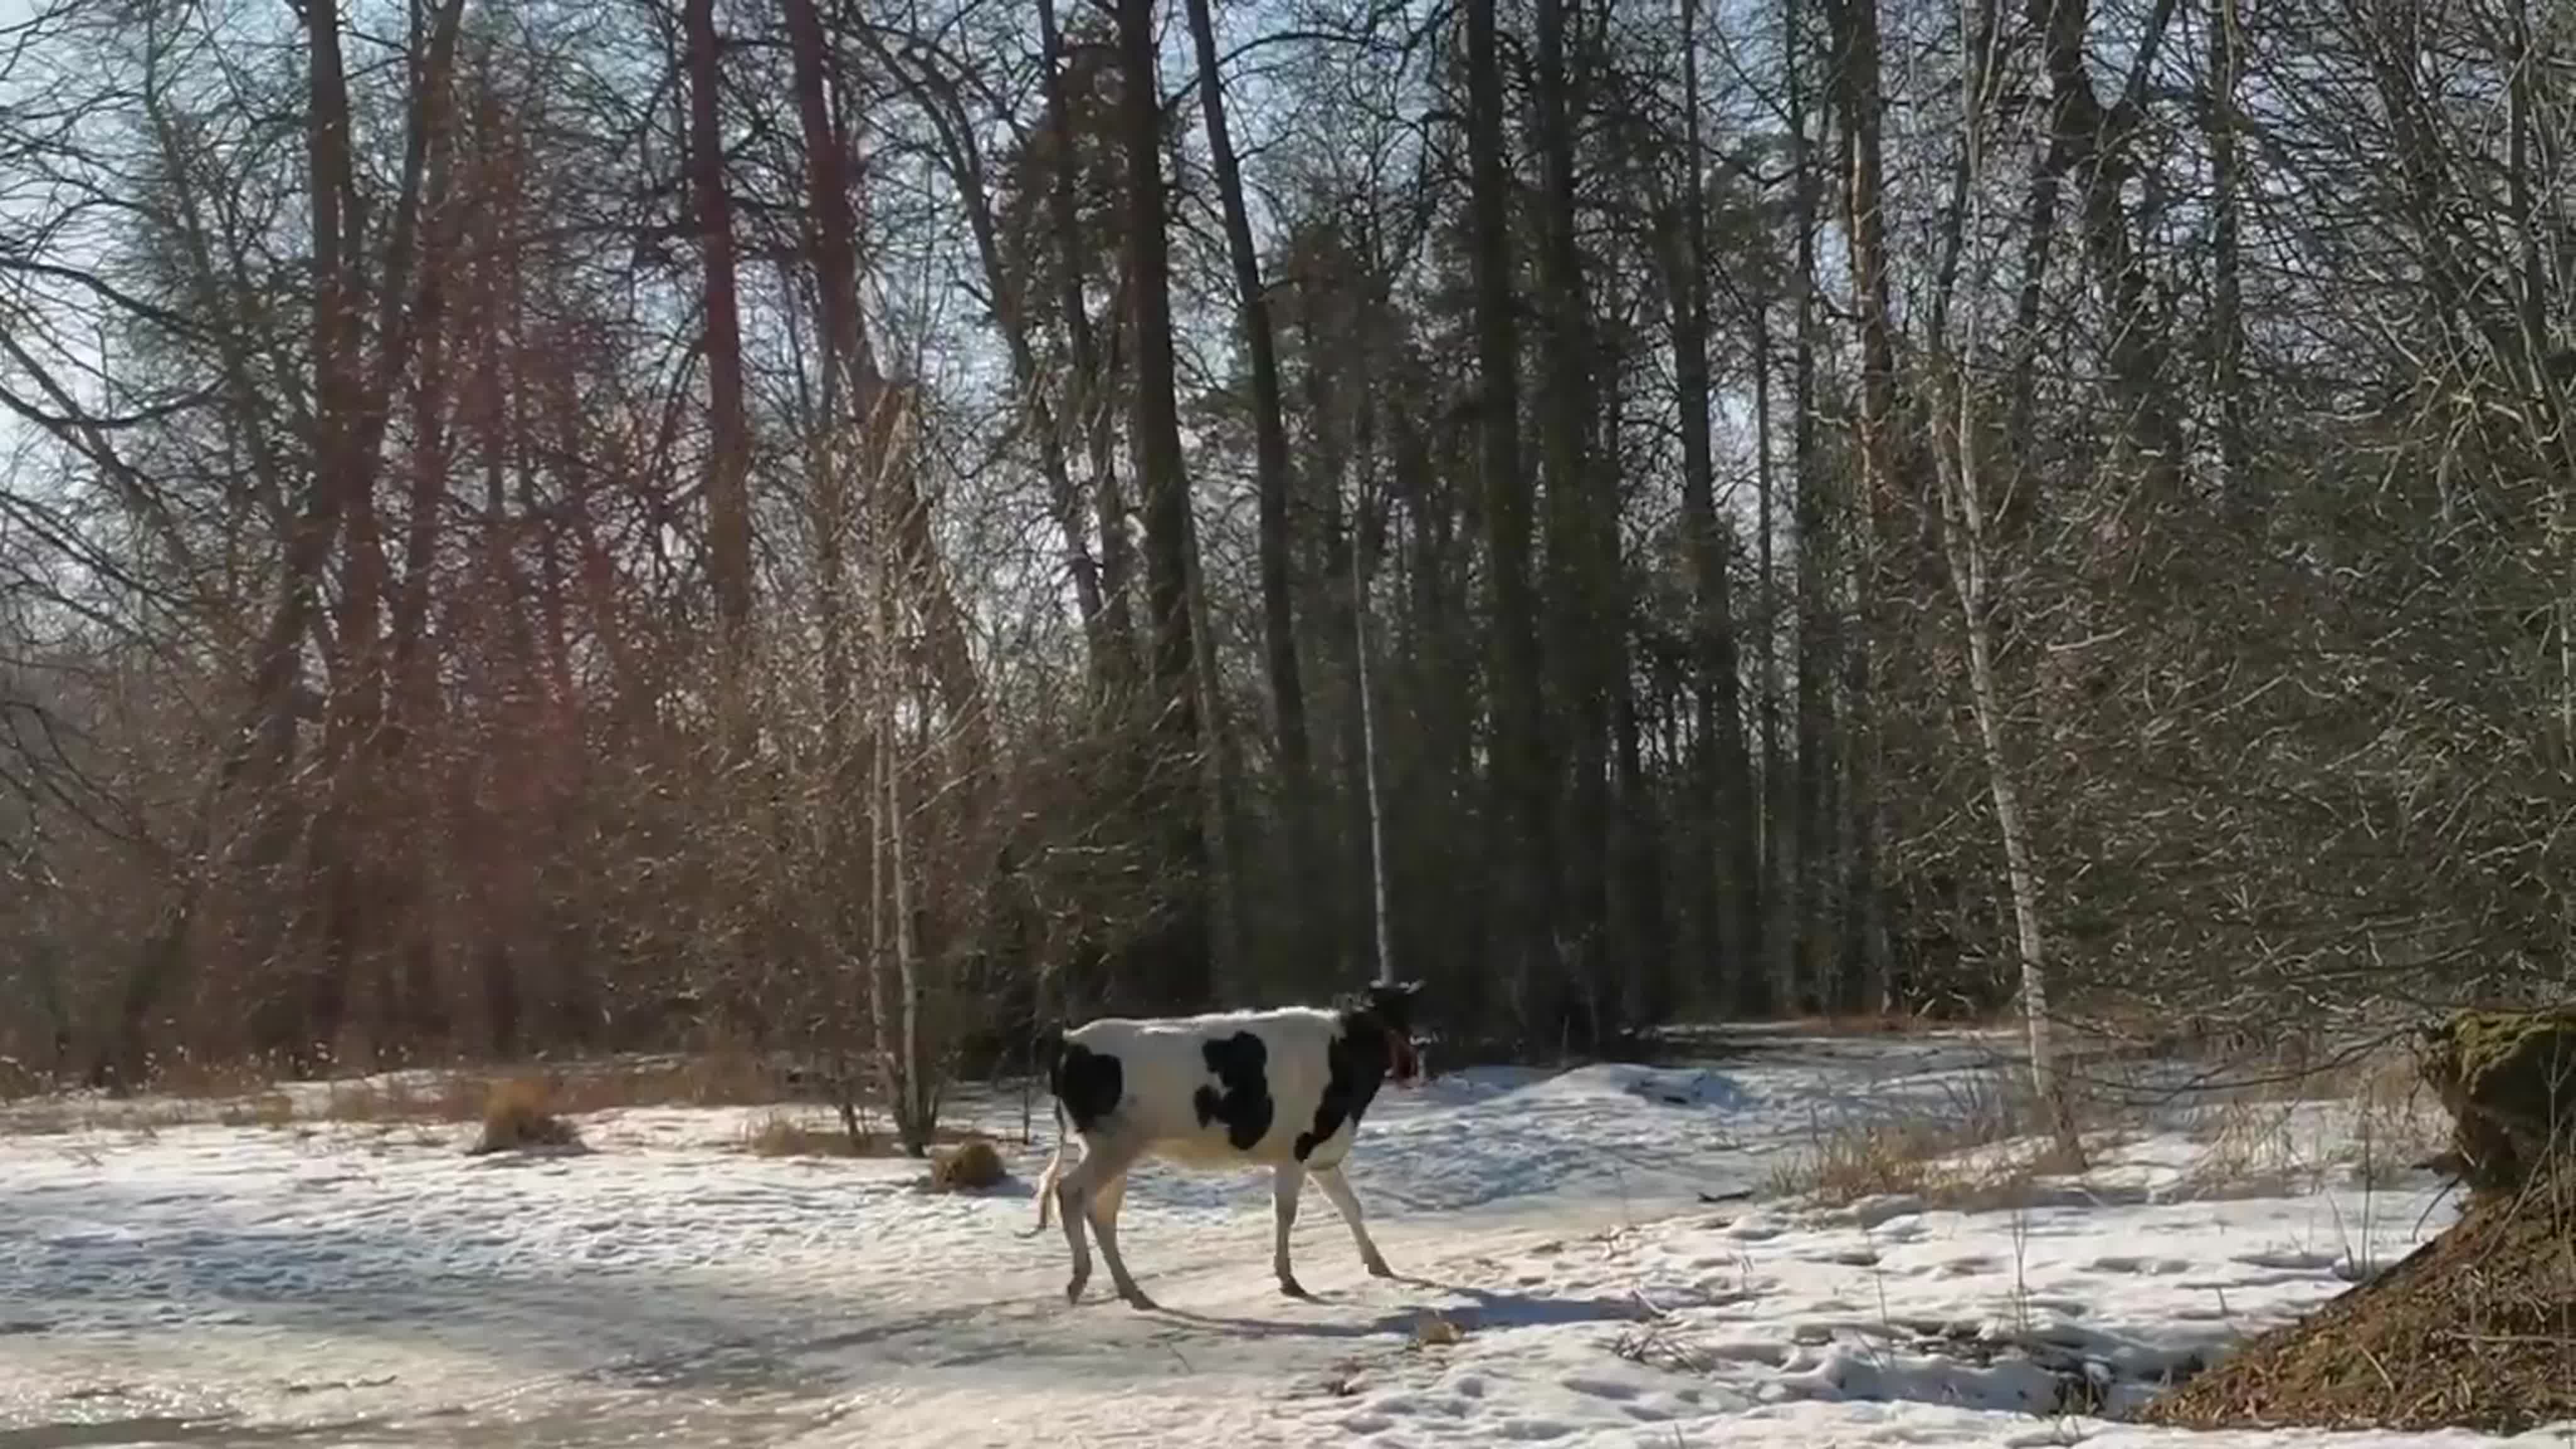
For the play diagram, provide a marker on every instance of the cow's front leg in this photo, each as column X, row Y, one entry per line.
column 1286, row 1182
column 1337, row 1189
column 1104, row 1217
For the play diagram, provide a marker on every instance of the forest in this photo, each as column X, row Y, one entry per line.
column 853, row 527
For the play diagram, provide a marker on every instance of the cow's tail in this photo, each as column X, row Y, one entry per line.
column 1047, row 1180
column 1049, row 1054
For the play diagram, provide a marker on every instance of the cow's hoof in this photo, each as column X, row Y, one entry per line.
column 1136, row 1299
column 1378, row 1269
column 1292, row 1288
column 1073, row 1291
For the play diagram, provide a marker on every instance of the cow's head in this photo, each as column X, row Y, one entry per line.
column 1388, row 1007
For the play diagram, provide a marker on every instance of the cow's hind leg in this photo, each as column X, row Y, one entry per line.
column 1338, row 1188
column 1105, row 1202
column 1073, row 1209
column 1286, row 1181
column 1103, row 1169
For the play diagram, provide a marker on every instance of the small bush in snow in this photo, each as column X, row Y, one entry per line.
column 1986, row 1132
column 971, row 1165
column 519, row 1114
column 1432, row 1330
column 268, row 1109
column 783, row 1134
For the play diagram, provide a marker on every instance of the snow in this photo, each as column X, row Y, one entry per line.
column 1594, row 1257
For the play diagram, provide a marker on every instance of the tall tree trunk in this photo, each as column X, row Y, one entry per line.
column 1579, row 550
column 1087, row 388
column 847, row 448
column 356, row 666
column 849, row 371
column 2226, row 262
column 1221, row 793
column 1963, row 531
column 411, row 671
column 1967, row 550
column 1519, row 769
column 1719, row 747
column 1759, row 989
column 410, row 1014
column 1439, row 679
column 1330, row 464
column 1176, row 952
column 1270, row 471
column 1867, row 969
column 729, row 440
column 1818, row 921
column 1381, row 922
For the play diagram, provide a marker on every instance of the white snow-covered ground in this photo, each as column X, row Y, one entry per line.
column 1579, row 1270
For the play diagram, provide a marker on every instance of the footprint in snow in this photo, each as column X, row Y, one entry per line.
column 1601, row 1388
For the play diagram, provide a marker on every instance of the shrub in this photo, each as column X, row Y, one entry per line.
column 518, row 1114
column 784, row 1134
column 971, row 1165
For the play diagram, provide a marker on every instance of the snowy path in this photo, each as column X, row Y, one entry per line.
column 346, row 1285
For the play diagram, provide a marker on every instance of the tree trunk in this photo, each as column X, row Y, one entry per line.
column 1719, row 746
column 1270, row 470
column 846, row 448
column 1176, row 951
column 1519, row 770
column 356, row 672
column 1087, row 389
column 1965, row 546
column 1964, row 535
column 1865, row 984
column 1759, row 990
column 729, row 440
column 1379, row 918
column 2226, row 261
column 1818, row 923
column 1352, row 891
column 1579, row 553
column 410, row 663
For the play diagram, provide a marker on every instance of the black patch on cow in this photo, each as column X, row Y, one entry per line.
column 1244, row 1106
column 1087, row 1083
column 1359, row 1059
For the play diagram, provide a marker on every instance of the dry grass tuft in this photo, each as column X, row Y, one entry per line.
column 448, row 1098
column 1938, row 1153
column 970, row 1166
column 268, row 1109
column 2366, row 1120
column 783, row 1134
column 519, row 1115
column 957, row 1159
column 1432, row 1330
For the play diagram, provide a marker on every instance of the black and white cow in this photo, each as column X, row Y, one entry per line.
column 1283, row 1089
